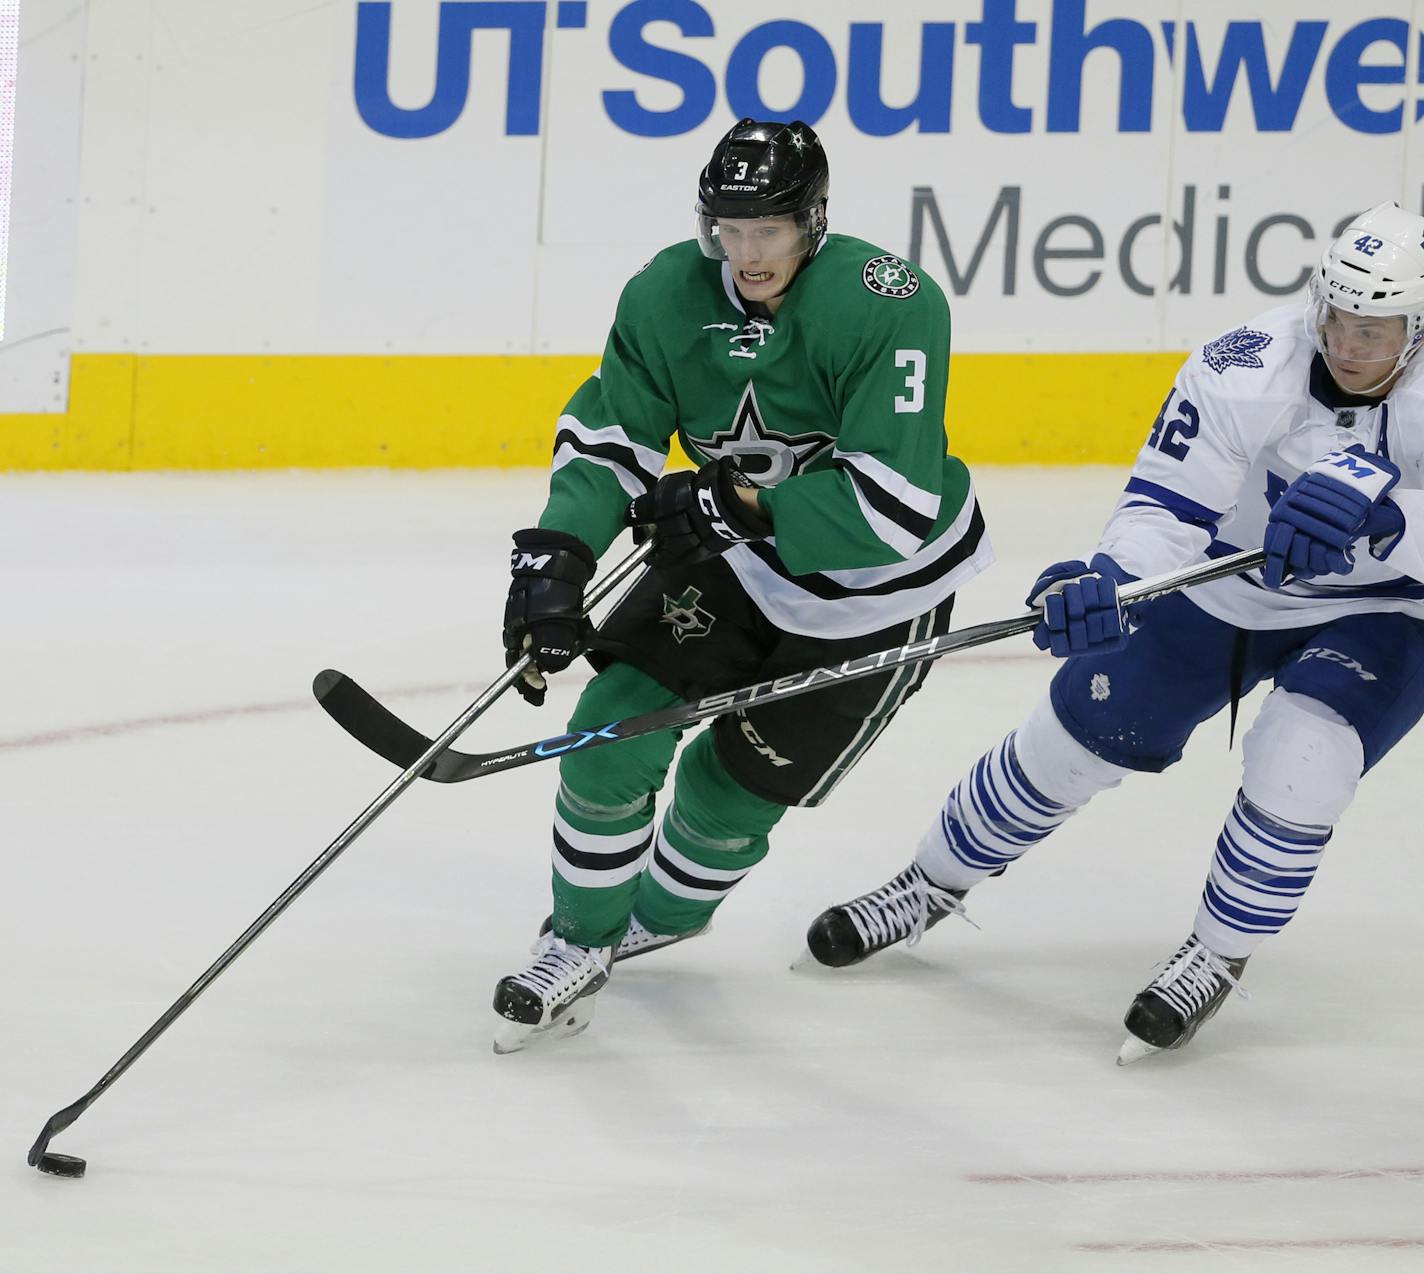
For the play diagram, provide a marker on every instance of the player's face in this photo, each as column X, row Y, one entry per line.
column 764, row 254
column 1361, row 349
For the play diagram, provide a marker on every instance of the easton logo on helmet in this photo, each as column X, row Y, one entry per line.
column 889, row 276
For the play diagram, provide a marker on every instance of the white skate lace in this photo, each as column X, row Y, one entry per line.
column 638, row 938
column 561, row 967
column 1192, row 978
column 901, row 909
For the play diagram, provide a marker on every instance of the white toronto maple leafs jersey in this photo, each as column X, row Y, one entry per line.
column 1248, row 413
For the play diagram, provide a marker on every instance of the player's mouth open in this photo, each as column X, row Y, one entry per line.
column 757, row 276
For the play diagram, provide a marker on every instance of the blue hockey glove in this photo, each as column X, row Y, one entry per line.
column 1081, row 612
column 1341, row 498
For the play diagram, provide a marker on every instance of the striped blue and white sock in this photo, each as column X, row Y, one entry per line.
column 1260, row 872
column 992, row 816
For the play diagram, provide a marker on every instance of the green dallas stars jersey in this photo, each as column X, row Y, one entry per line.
column 835, row 407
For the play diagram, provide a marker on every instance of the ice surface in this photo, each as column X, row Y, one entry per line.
column 332, row 1104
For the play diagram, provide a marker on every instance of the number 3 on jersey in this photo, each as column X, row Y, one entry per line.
column 1176, row 437
column 913, row 399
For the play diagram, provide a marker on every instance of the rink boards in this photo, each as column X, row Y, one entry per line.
column 393, row 232
column 254, row 412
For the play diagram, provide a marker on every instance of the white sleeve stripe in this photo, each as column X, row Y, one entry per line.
column 645, row 457
column 888, row 507
column 892, row 533
column 629, row 481
column 894, row 484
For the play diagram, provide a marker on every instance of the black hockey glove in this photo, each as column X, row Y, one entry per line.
column 694, row 517
column 544, row 614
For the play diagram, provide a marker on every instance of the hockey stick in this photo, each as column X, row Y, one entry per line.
column 40, row 1155
column 380, row 730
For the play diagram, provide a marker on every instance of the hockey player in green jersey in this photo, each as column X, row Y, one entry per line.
column 805, row 372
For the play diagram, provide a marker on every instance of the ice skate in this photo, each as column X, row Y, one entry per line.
column 899, row 911
column 638, row 940
column 1187, row 990
column 553, row 997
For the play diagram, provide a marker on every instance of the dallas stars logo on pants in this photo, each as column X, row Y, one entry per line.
column 687, row 618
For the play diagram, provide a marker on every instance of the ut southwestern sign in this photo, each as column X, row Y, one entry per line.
column 665, row 46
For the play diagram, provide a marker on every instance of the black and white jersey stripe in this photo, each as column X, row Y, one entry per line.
column 900, row 513
column 866, row 599
column 636, row 467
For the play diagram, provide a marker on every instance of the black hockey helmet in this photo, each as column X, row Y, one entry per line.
column 764, row 169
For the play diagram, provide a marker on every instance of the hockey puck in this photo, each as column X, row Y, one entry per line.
column 61, row 1165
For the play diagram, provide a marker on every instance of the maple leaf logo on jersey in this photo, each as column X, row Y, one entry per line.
column 1241, row 348
column 765, row 456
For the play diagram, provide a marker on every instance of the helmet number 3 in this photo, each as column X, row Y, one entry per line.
column 913, row 399
column 741, row 170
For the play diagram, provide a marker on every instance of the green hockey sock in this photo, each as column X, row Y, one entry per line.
column 603, row 814
column 714, row 833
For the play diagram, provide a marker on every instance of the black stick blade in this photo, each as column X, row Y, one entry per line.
column 368, row 722
column 43, row 1158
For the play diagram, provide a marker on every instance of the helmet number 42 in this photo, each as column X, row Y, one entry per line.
column 1368, row 244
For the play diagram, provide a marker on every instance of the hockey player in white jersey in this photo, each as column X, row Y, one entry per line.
column 1303, row 432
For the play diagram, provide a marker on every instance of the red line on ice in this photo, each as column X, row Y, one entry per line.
column 200, row 717
column 206, row 716
column 1251, row 1245
column 1117, row 1178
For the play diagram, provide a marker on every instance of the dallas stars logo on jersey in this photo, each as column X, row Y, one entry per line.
column 765, row 456
column 889, row 276
column 687, row 618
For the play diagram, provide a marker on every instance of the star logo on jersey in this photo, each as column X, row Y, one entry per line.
column 1241, row 348
column 765, row 456
column 685, row 616
column 889, row 276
